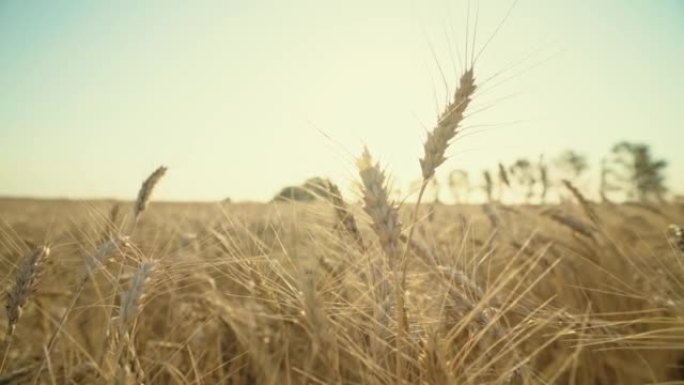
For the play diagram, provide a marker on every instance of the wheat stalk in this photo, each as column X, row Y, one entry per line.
column 24, row 285
column 385, row 219
column 571, row 222
column 584, row 203
column 146, row 192
column 20, row 293
column 94, row 261
column 378, row 206
column 128, row 363
column 387, row 227
column 438, row 141
column 130, row 300
column 447, row 126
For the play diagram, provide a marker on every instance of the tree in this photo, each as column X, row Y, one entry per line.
column 317, row 186
column 294, row 193
column 523, row 174
column 638, row 171
column 572, row 163
column 606, row 184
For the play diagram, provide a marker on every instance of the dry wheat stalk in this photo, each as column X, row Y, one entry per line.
column 571, row 222
column 378, row 206
column 433, row 361
column 24, row 286
column 146, row 192
column 130, row 300
column 94, row 261
column 584, row 203
column 387, row 227
column 436, row 144
column 129, row 368
column 447, row 126
column 92, row 264
column 103, row 253
column 503, row 175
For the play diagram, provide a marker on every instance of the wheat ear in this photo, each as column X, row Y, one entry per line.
column 94, row 261
column 145, row 193
column 131, row 304
column 24, row 285
column 438, row 141
column 378, row 206
column 447, row 126
column 387, row 227
column 584, row 203
column 20, row 293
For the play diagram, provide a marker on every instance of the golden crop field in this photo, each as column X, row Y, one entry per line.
column 292, row 293
column 534, row 270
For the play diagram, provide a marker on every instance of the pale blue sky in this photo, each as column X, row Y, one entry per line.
column 233, row 95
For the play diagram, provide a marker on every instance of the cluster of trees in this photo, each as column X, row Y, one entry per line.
column 630, row 171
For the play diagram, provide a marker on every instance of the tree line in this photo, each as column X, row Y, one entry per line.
column 629, row 171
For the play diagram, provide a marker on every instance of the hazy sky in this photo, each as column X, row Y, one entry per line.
column 240, row 98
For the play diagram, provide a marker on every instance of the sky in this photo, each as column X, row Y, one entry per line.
column 241, row 98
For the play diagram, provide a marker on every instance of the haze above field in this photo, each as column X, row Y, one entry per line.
column 242, row 98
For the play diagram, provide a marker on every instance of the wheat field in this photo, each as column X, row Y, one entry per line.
column 285, row 293
column 343, row 291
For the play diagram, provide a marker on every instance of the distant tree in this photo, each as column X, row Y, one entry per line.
column 523, row 174
column 571, row 163
column 638, row 171
column 317, row 186
column 312, row 189
column 459, row 185
column 294, row 193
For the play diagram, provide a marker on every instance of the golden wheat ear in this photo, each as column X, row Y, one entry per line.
column 379, row 207
column 447, row 126
column 24, row 285
column 146, row 192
